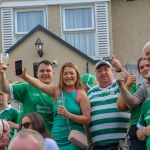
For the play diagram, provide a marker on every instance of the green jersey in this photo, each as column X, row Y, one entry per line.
column 21, row 114
column 10, row 114
column 33, row 100
column 144, row 119
column 136, row 111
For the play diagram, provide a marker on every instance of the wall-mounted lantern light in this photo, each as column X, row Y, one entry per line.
column 39, row 47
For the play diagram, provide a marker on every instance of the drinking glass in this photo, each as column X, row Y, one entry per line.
column 4, row 58
column 60, row 101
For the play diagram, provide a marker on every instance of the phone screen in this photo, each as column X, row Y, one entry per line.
column 18, row 67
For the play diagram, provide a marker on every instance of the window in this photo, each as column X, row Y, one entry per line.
column 26, row 20
column 78, row 27
column 87, row 29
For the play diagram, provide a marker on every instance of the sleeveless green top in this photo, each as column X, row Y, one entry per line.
column 60, row 130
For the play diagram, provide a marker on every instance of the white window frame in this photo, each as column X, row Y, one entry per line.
column 76, row 7
column 27, row 10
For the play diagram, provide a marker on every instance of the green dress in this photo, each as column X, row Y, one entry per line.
column 60, row 130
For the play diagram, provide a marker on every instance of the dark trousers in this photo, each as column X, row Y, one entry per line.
column 109, row 147
column 136, row 144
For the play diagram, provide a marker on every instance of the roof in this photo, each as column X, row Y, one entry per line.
column 52, row 35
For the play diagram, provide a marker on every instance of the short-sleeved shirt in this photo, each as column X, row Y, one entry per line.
column 108, row 125
column 143, row 92
column 33, row 100
column 144, row 119
column 10, row 114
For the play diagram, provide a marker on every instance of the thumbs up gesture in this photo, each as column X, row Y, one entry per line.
column 131, row 79
column 116, row 64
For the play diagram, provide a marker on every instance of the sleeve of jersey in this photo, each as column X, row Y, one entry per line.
column 141, row 92
column 17, row 91
column 133, row 88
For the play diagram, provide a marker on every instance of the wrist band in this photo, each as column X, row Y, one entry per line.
column 118, row 70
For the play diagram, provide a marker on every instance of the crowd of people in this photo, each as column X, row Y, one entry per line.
column 100, row 106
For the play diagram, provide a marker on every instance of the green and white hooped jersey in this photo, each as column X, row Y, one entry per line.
column 108, row 125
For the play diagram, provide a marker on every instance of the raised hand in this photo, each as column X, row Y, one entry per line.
column 131, row 80
column 3, row 68
column 116, row 63
column 21, row 75
column 120, row 78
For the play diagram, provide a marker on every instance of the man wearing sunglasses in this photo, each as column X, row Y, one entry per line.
column 32, row 99
column 7, row 112
column 4, row 134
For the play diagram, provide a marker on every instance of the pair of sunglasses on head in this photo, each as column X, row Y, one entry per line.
column 25, row 125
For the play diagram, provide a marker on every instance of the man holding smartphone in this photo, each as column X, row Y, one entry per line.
column 32, row 99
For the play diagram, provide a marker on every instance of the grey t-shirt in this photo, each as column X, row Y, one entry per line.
column 143, row 92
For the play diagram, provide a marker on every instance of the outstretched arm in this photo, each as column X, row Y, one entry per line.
column 4, row 83
column 120, row 102
column 13, row 125
column 46, row 88
column 118, row 66
column 130, row 100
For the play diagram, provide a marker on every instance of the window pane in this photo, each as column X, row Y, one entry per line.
column 78, row 18
column 83, row 41
column 26, row 21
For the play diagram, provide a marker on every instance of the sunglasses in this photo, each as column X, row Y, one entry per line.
column 25, row 125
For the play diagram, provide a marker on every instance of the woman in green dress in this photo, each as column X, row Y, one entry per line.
column 74, row 113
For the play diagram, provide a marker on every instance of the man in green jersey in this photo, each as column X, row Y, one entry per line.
column 32, row 99
column 7, row 112
column 108, row 125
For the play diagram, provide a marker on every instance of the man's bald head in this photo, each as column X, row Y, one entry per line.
column 27, row 139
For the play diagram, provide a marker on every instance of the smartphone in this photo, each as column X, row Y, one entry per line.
column 148, row 79
column 18, row 67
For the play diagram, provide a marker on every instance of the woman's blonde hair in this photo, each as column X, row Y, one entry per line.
column 78, row 83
